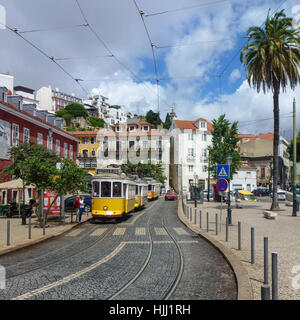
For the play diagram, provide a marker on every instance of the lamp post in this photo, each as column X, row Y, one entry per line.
column 229, row 162
column 195, row 195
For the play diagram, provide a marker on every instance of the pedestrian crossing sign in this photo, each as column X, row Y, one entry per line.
column 223, row 171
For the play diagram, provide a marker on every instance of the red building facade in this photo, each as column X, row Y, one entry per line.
column 17, row 126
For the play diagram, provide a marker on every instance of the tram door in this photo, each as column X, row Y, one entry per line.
column 125, row 196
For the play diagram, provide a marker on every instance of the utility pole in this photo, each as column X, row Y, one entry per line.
column 294, row 160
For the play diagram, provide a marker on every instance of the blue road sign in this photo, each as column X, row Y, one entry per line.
column 222, row 184
column 223, row 171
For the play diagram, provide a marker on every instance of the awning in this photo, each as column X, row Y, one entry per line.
column 15, row 184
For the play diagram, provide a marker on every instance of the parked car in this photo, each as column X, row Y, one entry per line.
column 171, row 196
column 261, row 192
column 281, row 195
column 69, row 203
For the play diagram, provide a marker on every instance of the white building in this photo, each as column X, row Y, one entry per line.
column 244, row 179
column 7, row 81
column 189, row 153
column 27, row 94
column 54, row 100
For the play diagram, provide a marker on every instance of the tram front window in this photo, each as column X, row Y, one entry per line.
column 149, row 187
column 96, row 189
column 105, row 189
column 117, row 189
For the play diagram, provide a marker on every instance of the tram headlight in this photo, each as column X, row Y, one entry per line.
column 105, row 208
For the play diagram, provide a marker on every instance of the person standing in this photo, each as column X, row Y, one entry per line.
column 81, row 209
column 77, row 207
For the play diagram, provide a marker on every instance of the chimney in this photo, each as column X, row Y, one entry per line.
column 30, row 108
column 51, row 118
column 58, row 123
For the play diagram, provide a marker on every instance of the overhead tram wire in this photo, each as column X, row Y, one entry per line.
column 15, row 31
column 51, row 29
column 109, row 51
column 207, row 4
column 152, row 49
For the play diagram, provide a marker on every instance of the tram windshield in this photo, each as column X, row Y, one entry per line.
column 117, row 189
column 106, row 189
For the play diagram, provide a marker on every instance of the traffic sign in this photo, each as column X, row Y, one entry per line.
column 222, row 185
column 223, row 171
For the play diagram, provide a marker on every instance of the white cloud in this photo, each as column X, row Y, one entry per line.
column 235, row 75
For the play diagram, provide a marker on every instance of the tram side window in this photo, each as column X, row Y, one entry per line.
column 106, row 189
column 117, row 189
column 136, row 190
column 96, row 186
column 149, row 187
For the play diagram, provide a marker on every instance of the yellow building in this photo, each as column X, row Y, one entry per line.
column 88, row 150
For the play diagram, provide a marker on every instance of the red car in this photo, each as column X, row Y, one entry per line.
column 171, row 196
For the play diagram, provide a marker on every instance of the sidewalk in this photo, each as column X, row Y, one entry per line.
column 283, row 235
column 19, row 234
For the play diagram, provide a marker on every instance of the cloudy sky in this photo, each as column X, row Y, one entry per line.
column 196, row 45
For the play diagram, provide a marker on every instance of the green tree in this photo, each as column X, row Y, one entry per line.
column 96, row 122
column 272, row 59
column 153, row 118
column 168, row 122
column 224, row 142
column 77, row 110
column 34, row 164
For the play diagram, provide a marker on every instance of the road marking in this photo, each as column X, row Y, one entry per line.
column 72, row 276
column 180, row 231
column 160, row 231
column 187, row 241
column 74, row 233
column 98, row 232
column 119, row 232
column 140, row 231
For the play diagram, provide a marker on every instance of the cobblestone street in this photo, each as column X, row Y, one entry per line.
column 149, row 256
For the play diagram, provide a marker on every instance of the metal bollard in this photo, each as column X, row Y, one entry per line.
column 216, row 224
column 29, row 228
column 44, row 223
column 266, row 262
column 226, row 236
column 207, row 222
column 274, row 276
column 200, row 219
column 8, row 233
column 265, row 292
column 239, row 236
column 71, row 216
column 252, row 246
column 195, row 216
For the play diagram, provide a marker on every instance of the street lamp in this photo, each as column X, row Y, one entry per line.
column 195, row 195
column 229, row 162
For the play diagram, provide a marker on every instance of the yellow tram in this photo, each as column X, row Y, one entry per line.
column 153, row 188
column 141, row 194
column 113, row 195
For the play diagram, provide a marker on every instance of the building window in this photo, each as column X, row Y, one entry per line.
column 204, row 137
column 145, row 144
column 132, row 128
column 40, row 138
column 50, row 142
column 57, row 146
column 118, row 129
column 93, row 140
column 204, row 169
column 26, row 135
column 191, row 136
column 191, row 152
column 85, row 141
column 71, row 151
column 131, row 144
column 158, row 144
column 204, row 153
column 65, row 150
column 191, row 168
column 15, row 134
column 203, row 124
column 145, row 128
column 262, row 172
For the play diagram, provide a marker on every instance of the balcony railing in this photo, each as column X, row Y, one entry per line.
column 87, row 162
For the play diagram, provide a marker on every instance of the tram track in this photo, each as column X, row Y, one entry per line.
column 95, row 241
column 172, row 287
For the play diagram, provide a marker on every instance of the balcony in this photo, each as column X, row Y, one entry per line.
column 191, row 158
column 87, row 162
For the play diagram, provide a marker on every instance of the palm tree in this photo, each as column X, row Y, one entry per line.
column 271, row 58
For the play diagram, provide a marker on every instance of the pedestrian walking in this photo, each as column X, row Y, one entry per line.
column 28, row 210
column 81, row 209
column 77, row 207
